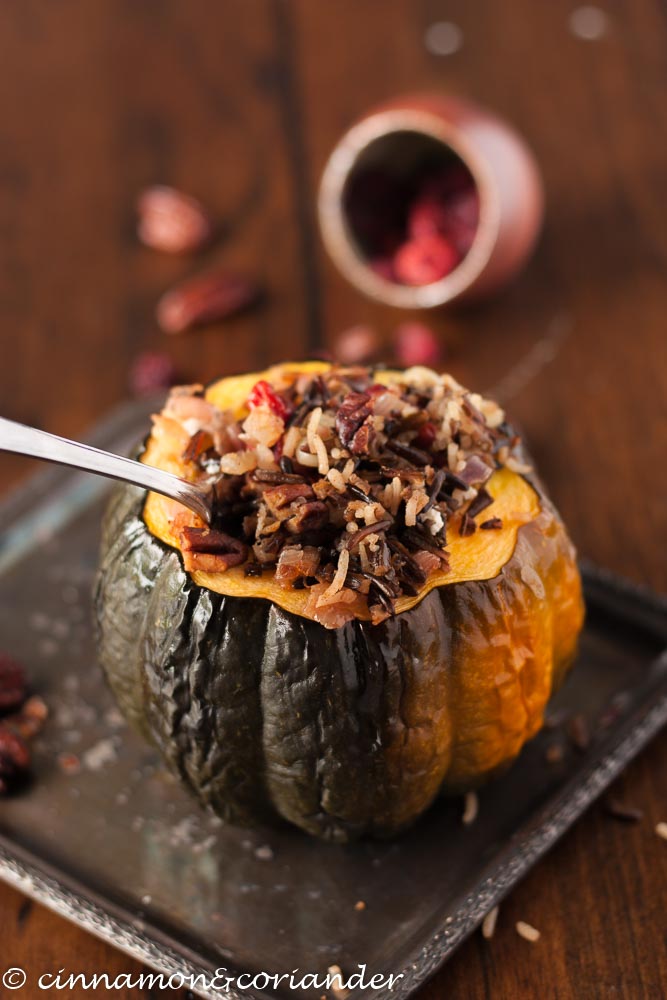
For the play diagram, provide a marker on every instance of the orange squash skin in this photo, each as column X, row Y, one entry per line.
column 265, row 714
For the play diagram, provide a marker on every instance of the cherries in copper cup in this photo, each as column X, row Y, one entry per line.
column 430, row 199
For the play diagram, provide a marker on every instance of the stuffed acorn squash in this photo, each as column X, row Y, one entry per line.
column 381, row 609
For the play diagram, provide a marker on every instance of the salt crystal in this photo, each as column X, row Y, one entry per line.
column 99, row 755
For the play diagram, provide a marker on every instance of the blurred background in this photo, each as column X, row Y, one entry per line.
column 240, row 103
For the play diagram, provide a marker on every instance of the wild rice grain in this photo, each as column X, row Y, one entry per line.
column 470, row 808
column 322, row 455
column 411, row 511
column 291, row 441
column 336, row 480
column 313, row 424
column 338, row 581
column 237, row 463
column 348, row 469
column 304, row 457
column 527, row 931
column 622, row 810
column 337, row 988
column 489, row 923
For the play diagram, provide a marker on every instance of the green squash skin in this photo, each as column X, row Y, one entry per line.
column 266, row 715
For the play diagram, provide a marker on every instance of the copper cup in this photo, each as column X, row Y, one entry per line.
column 503, row 170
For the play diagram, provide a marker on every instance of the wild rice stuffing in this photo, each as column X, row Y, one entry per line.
column 340, row 484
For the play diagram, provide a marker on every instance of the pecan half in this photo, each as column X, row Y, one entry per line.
column 172, row 221
column 310, row 516
column 352, row 412
column 200, row 442
column 211, row 551
column 360, row 443
column 206, row 298
column 267, row 549
column 12, row 683
column 278, row 497
column 476, row 470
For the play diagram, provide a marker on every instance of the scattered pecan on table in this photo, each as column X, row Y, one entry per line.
column 206, row 298
column 172, row 221
column 21, row 718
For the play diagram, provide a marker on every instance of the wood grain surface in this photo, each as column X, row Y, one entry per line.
column 240, row 102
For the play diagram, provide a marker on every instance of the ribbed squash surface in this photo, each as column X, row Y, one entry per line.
column 265, row 714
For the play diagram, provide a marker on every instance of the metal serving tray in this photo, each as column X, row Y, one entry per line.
column 118, row 847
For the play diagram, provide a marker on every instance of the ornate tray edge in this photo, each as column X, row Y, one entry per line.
column 518, row 858
column 140, row 941
column 129, row 938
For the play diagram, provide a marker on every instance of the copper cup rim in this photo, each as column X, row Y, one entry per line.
column 340, row 241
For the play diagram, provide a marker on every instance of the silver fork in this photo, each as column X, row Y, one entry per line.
column 25, row 440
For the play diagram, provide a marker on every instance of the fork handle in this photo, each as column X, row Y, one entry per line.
column 25, row 440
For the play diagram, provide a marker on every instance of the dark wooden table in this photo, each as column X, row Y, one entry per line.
column 240, row 101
